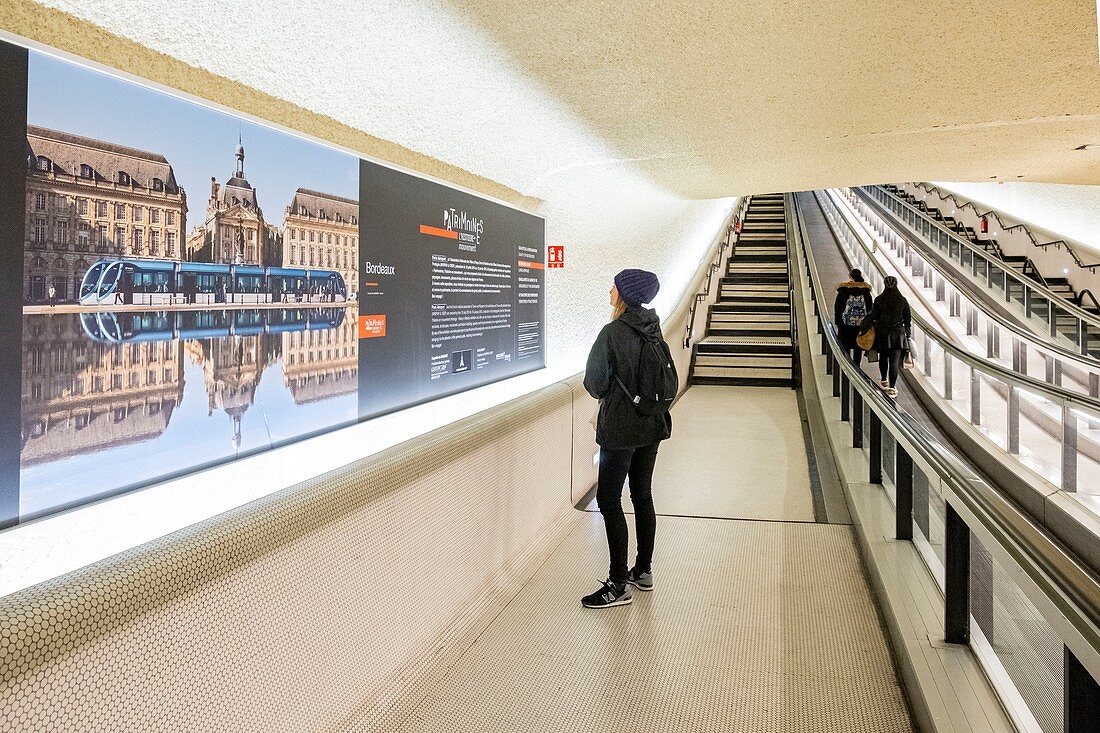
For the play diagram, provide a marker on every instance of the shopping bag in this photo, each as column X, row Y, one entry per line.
column 866, row 341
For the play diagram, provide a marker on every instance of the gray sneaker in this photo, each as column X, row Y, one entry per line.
column 610, row 594
column 641, row 581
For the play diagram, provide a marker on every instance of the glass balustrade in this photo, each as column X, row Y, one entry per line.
column 1021, row 396
column 1066, row 324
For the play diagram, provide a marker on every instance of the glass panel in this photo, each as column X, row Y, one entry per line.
column 1041, row 435
column 1011, row 633
column 888, row 448
column 928, row 510
column 1088, row 451
column 993, row 395
column 1066, row 325
column 960, row 387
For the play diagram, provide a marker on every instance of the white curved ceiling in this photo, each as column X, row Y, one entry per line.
column 703, row 98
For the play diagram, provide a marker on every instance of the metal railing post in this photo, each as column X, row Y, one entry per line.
column 845, row 409
column 857, row 419
column 903, row 487
column 1013, row 419
column 875, row 450
column 1080, row 696
column 956, row 579
column 1069, row 449
column 975, row 397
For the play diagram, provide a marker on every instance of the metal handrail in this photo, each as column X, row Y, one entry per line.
column 1081, row 298
column 1081, row 313
column 796, row 364
column 1050, row 391
column 1069, row 587
column 728, row 240
column 1070, row 308
column 963, row 203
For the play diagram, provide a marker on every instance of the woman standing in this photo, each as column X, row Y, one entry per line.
column 893, row 325
column 853, row 303
column 628, row 439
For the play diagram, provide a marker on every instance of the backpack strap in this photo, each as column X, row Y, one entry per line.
column 634, row 398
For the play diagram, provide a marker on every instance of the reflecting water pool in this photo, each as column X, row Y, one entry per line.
column 112, row 401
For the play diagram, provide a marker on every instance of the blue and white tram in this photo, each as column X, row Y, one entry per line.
column 159, row 282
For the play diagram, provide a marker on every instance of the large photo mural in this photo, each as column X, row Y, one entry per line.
column 188, row 286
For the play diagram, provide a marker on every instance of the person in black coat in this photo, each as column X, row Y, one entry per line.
column 853, row 303
column 628, row 440
column 893, row 325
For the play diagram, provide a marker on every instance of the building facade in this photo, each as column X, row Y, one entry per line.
column 322, row 230
column 88, row 199
column 234, row 230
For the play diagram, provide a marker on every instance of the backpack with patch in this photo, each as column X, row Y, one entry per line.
column 658, row 382
column 855, row 310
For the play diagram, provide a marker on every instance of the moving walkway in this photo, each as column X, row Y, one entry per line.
column 990, row 553
column 1051, row 303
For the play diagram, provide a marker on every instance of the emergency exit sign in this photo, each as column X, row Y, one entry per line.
column 555, row 255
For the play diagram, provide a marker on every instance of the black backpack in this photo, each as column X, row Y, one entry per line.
column 658, row 382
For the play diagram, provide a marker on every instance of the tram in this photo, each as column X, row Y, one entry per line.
column 162, row 282
column 143, row 325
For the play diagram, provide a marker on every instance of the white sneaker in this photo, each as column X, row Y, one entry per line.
column 884, row 384
column 891, row 392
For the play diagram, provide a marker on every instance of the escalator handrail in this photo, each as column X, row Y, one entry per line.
column 1004, row 374
column 960, row 284
column 1067, row 584
column 1072, row 307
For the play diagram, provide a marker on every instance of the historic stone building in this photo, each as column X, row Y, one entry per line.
column 88, row 199
column 234, row 230
column 322, row 230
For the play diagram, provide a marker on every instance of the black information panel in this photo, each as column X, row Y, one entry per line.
column 451, row 291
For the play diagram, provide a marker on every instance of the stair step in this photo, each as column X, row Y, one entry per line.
column 766, row 361
column 750, row 317
column 752, row 306
column 728, row 344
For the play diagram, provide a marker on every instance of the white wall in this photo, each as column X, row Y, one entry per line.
column 419, row 73
column 1068, row 211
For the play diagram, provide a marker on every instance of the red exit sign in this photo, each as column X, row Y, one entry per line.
column 555, row 255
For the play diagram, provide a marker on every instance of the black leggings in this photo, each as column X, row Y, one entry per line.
column 889, row 362
column 615, row 466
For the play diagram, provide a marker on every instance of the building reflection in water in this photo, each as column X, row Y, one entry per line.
column 93, row 382
column 321, row 364
column 81, row 396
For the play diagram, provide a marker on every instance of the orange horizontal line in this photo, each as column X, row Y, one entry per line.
column 532, row 265
column 437, row 232
column 371, row 285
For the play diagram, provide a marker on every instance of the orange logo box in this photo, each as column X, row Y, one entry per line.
column 372, row 327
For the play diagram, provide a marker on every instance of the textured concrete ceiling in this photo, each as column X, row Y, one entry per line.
column 699, row 98
column 714, row 97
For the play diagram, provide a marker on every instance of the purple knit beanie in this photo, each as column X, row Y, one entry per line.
column 637, row 286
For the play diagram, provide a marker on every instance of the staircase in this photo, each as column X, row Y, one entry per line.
column 748, row 337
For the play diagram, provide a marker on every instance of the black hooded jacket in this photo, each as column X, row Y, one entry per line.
column 616, row 353
column 892, row 320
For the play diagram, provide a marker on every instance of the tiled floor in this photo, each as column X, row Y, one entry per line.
column 735, row 453
column 753, row 626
